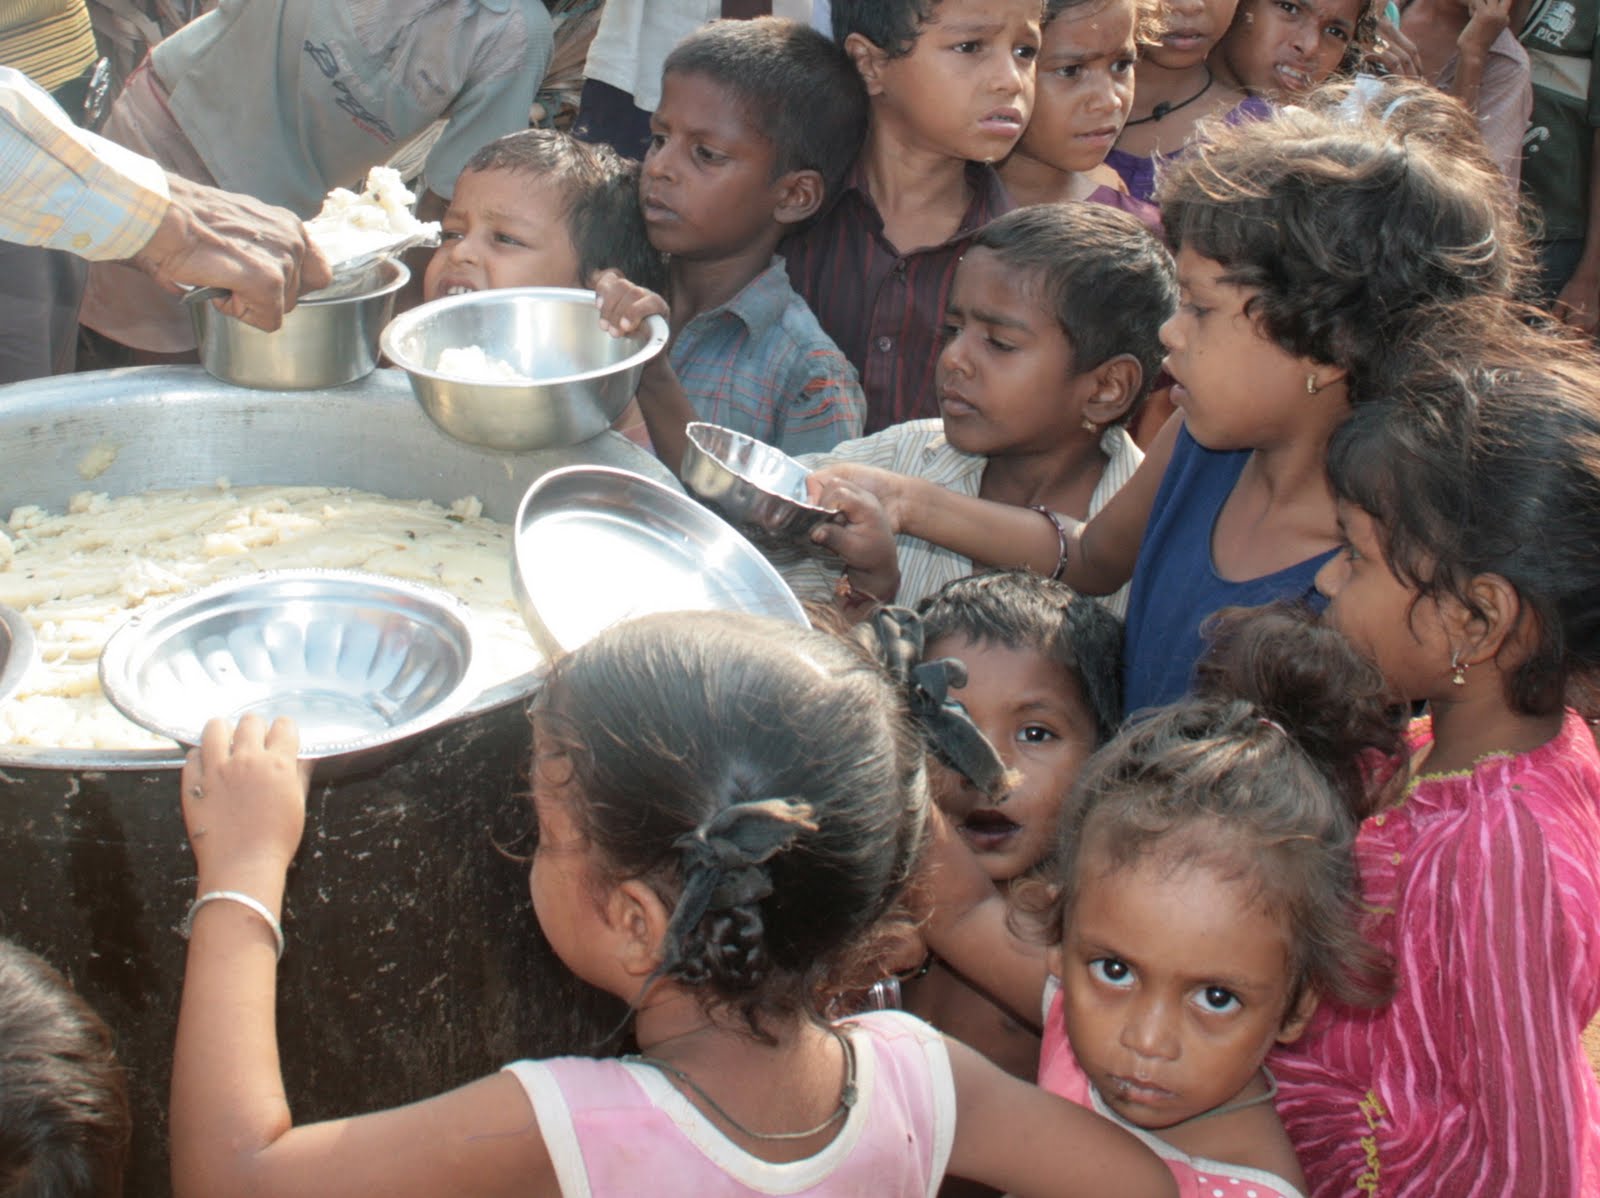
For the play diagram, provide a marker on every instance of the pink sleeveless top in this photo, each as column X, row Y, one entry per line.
column 1197, row 1177
column 619, row 1129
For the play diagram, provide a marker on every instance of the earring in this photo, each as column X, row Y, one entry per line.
column 1311, row 384
column 1458, row 669
column 1089, row 426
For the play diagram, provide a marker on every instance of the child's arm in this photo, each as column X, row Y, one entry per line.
column 865, row 544
column 1100, row 552
column 967, row 925
column 1025, row 1141
column 232, row 1132
column 624, row 306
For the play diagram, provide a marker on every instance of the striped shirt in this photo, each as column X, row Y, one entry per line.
column 66, row 188
column 1473, row 1082
column 760, row 364
column 883, row 308
column 918, row 449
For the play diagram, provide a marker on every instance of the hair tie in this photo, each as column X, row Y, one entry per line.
column 944, row 723
column 1269, row 722
column 723, row 860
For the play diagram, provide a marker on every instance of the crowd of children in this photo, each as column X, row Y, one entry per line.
column 1285, row 884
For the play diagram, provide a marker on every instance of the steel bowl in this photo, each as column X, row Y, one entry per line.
column 357, row 660
column 594, row 546
column 580, row 377
column 759, row 489
column 323, row 342
column 17, row 649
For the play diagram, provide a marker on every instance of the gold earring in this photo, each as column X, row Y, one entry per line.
column 1311, row 384
column 1089, row 426
column 1458, row 669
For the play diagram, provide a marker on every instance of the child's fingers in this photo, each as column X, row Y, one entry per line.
column 249, row 734
column 283, row 737
column 215, row 744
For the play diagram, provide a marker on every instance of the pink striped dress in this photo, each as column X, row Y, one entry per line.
column 1485, row 886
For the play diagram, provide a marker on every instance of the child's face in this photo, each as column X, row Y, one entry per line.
column 1193, row 28
column 1175, row 982
column 1402, row 633
column 1085, row 86
column 965, row 88
column 1006, row 380
column 1237, row 388
column 1034, row 713
column 1281, row 48
column 562, row 878
column 502, row 229
column 707, row 189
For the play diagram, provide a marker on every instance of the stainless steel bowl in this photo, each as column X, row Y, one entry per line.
column 357, row 660
column 582, row 376
column 595, row 546
column 759, row 489
column 322, row 342
column 17, row 650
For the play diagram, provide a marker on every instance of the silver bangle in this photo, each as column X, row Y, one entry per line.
column 244, row 900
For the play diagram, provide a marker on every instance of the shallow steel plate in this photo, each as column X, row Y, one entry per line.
column 357, row 660
column 596, row 546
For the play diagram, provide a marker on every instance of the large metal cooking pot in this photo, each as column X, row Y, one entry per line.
column 414, row 960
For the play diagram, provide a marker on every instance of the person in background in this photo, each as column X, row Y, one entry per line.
column 1280, row 49
column 64, row 1119
column 622, row 83
column 950, row 86
column 285, row 99
column 63, row 187
column 1561, row 156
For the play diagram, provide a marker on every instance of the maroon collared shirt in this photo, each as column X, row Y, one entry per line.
column 883, row 308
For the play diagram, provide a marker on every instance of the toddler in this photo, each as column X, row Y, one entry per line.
column 64, row 1121
column 727, row 808
column 1469, row 508
column 1280, row 49
column 736, row 161
column 950, row 86
column 1083, row 96
column 1205, row 900
column 1043, row 682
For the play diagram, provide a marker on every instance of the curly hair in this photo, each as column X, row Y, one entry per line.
column 1256, row 776
column 1347, row 216
column 763, row 778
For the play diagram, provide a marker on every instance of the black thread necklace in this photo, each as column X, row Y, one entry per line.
column 847, row 1097
column 1166, row 108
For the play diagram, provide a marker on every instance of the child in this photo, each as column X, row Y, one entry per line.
column 727, row 806
column 951, row 87
column 1176, row 90
column 1083, row 96
column 1205, row 900
column 64, row 1122
column 1043, row 682
column 1279, row 49
column 1470, row 513
column 541, row 209
column 1306, row 242
column 1036, row 380
column 736, row 161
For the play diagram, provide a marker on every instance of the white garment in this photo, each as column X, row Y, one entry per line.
column 635, row 37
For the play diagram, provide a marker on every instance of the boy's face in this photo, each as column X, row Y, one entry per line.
column 1281, row 48
column 707, row 189
column 965, row 88
column 1085, row 86
column 1006, row 380
column 1034, row 713
column 502, row 229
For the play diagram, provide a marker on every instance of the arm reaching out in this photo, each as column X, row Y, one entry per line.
column 624, row 306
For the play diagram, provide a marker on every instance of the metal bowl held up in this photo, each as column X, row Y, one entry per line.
column 595, row 546
column 323, row 342
column 356, row 660
column 572, row 377
column 750, row 484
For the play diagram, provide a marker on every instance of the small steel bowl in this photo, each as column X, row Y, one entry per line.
column 357, row 660
column 323, row 342
column 582, row 376
column 596, row 546
column 17, row 650
column 759, row 489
